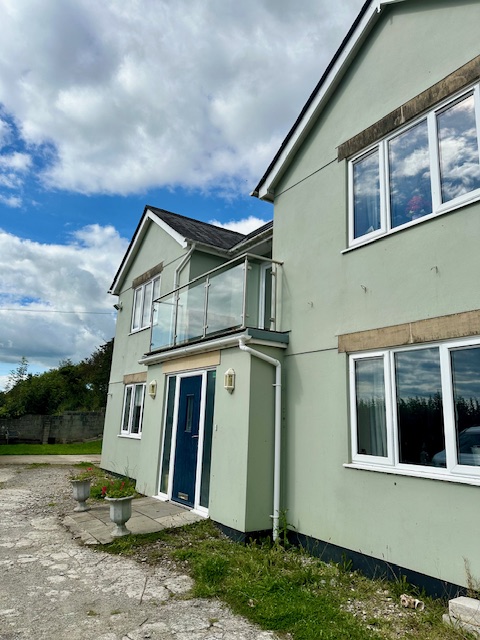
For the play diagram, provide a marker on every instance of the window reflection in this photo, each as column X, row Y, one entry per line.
column 466, row 392
column 419, row 406
column 371, row 417
column 409, row 164
column 366, row 193
column 458, row 147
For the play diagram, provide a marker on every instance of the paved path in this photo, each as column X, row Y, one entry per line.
column 148, row 515
column 93, row 458
column 53, row 588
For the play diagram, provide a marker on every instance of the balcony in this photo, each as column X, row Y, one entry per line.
column 239, row 294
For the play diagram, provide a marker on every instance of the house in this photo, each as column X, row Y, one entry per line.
column 190, row 415
column 349, row 399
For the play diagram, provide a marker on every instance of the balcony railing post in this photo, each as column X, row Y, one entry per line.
column 273, row 303
column 245, row 280
column 205, row 306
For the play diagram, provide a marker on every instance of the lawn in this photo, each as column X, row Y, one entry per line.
column 74, row 448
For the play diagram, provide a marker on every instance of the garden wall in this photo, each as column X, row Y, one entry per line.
column 71, row 426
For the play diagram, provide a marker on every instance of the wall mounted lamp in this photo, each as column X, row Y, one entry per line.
column 229, row 380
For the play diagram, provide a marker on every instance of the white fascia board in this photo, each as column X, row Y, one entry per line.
column 133, row 249
column 363, row 28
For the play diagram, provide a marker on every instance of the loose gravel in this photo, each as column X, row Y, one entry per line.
column 52, row 587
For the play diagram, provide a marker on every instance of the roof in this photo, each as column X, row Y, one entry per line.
column 198, row 231
column 338, row 66
column 185, row 231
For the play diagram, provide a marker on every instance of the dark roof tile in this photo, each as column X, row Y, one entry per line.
column 198, row 231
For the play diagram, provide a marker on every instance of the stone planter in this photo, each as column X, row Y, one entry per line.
column 81, row 493
column 120, row 513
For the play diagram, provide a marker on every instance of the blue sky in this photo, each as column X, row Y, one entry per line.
column 106, row 107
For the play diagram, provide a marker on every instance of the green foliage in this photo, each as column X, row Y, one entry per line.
column 118, row 487
column 287, row 591
column 70, row 387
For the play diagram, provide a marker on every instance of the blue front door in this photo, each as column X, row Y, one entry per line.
column 186, row 446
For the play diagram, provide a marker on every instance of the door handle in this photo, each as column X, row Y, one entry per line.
column 194, row 436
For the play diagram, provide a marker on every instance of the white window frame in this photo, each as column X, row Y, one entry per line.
column 139, row 303
column 453, row 471
column 127, row 432
column 438, row 207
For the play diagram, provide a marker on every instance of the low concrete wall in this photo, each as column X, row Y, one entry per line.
column 71, row 426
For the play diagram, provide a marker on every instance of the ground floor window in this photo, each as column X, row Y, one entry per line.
column 133, row 409
column 418, row 408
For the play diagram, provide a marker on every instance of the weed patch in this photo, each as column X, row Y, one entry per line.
column 286, row 590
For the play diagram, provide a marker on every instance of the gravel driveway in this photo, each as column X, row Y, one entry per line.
column 52, row 588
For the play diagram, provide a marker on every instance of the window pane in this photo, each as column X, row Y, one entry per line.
column 137, row 409
column 366, row 195
column 207, row 440
column 458, row 148
column 466, row 393
column 419, row 406
column 147, row 304
column 167, row 439
column 126, row 408
column 137, row 309
column 371, row 419
column 409, row 166
column 156, row 288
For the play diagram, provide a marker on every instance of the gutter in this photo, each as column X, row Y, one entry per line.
column 277, row 432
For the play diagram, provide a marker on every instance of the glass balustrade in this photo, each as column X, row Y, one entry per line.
column 232, row 296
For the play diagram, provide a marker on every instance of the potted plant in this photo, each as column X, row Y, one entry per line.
column 119, row 492
column 81, row 488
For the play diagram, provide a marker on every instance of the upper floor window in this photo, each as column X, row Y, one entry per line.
column 430, row 167
column 133, row 409
column 142, row 303
column 418, row 409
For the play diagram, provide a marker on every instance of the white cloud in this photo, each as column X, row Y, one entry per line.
column 246, row 226
column 13, row 202
column 44, row 288
column 144, row 94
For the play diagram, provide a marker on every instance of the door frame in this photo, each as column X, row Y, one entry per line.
column 201, row 433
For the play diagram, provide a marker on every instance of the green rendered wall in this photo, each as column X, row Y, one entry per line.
column 123, row 453
column 421, row 272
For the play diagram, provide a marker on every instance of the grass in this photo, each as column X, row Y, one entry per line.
column 288, row 591
column 74, row 448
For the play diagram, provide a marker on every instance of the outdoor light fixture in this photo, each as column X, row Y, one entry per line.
column 152, row 389
column 118, row 306
column 229, row 380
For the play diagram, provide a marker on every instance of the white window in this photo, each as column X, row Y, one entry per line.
column 427, row 168
column 133, row 410
column 418, row 409
column 142, row 304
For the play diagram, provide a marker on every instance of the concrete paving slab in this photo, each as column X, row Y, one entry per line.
column 148, row 515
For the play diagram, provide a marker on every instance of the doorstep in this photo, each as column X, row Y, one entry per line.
column 148, row 516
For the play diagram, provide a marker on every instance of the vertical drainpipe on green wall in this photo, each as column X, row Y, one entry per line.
column 278, row 407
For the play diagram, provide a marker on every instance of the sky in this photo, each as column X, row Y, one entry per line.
column 108, row 106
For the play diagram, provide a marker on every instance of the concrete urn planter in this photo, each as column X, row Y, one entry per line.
column 81, row 493
column 120, row 513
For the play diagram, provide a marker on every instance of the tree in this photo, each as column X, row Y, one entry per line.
column 70, row 387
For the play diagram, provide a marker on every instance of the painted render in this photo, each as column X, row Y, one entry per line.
column 331, row 299
column 420, row 272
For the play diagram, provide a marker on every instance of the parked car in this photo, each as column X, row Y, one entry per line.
column 468, row 449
